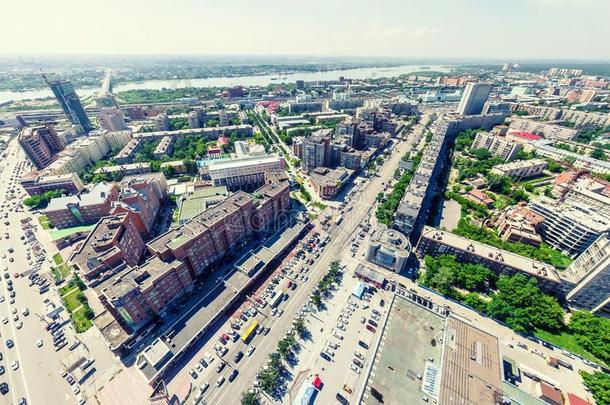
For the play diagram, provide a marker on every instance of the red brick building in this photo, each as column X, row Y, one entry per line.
column 113, row 244
column 141, row 292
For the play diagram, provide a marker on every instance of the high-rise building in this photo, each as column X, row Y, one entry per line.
column 162, row 122
column 41, row 144
column 111, row 119
column 68, row 100
column 474, row 98
column 316, row 150
column 590, row 273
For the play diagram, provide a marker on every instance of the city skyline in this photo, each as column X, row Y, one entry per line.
column 403, row 29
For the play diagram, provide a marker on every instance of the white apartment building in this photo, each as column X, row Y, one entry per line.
column 583, row 162
column 590, row 273
column 521, row 169
column 245, row 172
column 549, row 131
column 496, row 145
column 570, row 228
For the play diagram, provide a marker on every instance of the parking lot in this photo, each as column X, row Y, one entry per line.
column 216, row 368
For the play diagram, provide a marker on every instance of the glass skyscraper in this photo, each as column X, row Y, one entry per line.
column 68, row 100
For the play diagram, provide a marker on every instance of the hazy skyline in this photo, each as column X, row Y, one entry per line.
column 512, row 29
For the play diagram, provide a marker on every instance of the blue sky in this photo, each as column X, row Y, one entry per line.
column 517, row 29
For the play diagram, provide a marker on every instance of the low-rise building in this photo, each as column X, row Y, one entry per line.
column 36, row 183
column 435, row 242
column 164, row 148
column 124, row 170
column 579, row 161
column 521, row 169
column 328, row 182
column 479, row 197
column 519, row 224
column 388, row 248
column 549, row 131
column 84, row 208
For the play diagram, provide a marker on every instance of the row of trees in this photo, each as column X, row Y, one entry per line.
column 385, row 210
column 324, row 286
column 271, row 378
column 42, row 200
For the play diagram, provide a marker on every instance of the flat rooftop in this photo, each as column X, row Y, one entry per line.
column 410, row 339
column 471, row 365
column 504, row 257
column 200, row 200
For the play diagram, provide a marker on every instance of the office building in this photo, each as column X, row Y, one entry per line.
column 82, row 209
column 388, row 248
column 570, row 228
column 521, row 169
column 328, row 182
column 244, row 173
column 111, row 119
column 590, row 275
column 474, row 98
column 496, row 145
column 36, row 183
column 41, row 144
column 70, row 103
column 435, row 242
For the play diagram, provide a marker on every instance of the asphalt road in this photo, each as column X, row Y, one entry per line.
column 37, row 379
column 340, row 238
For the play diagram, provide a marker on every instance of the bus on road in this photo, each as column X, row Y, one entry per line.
column 277, row 299
column 249, row 332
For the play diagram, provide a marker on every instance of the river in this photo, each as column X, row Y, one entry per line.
column 261, row 80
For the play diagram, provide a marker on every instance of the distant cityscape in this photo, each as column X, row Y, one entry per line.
column 429, row 237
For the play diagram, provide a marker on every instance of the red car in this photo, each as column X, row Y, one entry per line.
column 369, row 327
column 289, row 284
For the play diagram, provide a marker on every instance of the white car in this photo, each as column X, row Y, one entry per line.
column 5, row 320
column 39, row 343
column 355, row 368
column 15, row 365
column 250, row 350
column 19, row 325
column 337, row 335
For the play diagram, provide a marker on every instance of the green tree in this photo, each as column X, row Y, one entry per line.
column 250, row 398
column 599, row 384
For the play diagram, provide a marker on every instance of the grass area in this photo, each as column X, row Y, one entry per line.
column 44, row 222
column 58, row 259
column 62, row 270
column 568, row 342
column 76, row 303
